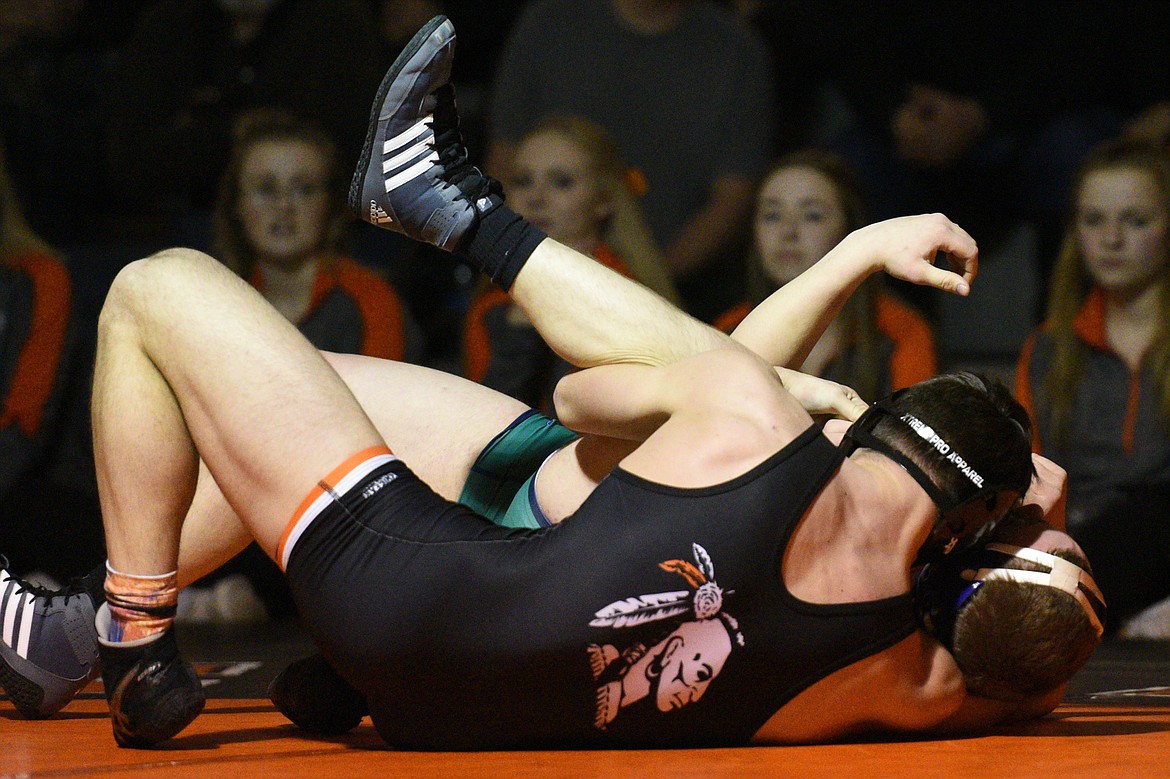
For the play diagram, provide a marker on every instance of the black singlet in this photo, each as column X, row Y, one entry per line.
column 653, row 617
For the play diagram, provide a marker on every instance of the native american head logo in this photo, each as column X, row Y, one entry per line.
column 678, row 668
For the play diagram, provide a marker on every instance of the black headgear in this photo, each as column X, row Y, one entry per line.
column 944, row 588
column 976, row 500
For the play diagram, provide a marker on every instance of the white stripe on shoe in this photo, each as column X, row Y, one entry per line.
column 411, row 154
column 10, row 607
column 26, row 621
column 393, row 145
column 413, row 172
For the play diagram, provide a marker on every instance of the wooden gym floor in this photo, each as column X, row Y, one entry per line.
column 1115, row 722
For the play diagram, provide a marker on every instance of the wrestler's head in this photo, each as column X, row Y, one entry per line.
column 1019, row 620
column 966, row 441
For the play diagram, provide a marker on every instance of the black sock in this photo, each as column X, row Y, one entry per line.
column 501, row 243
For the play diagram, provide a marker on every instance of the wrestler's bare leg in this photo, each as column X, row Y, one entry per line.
column 438, row 423
column 193, row 363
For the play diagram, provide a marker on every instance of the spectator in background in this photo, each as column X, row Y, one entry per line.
column 684, row 88
column 806, row 205
column 35, row 316
column 568, row 178
column 1096, row 376
column 192, row 67
column 277, row 222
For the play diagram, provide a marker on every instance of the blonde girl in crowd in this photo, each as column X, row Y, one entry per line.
column 1096, row 376
column 568, row 179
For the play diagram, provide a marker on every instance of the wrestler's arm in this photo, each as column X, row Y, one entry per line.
column 591, row 315
column 975, row 713
column 633, row 402
column 784, row 327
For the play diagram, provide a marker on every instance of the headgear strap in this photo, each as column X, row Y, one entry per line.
column 1064, row 575
column 975, row 488
column 860, row 433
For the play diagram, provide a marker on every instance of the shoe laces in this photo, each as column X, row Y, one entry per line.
column 453, row 154
column 73, row 589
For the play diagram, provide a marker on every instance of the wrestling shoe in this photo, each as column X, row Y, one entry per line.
column 152, row 692
column 315, row 698
column 48, row 648
column 413, row 176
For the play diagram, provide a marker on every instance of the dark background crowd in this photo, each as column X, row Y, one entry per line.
column 131, row 125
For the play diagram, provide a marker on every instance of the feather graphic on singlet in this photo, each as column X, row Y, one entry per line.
column 692, row 574
column 629, row 612
column 704, row 561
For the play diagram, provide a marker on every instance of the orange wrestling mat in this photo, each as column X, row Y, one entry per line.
column 1114, row 723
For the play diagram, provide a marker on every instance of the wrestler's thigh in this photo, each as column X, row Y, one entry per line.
column 268, row 415
column 438, row 423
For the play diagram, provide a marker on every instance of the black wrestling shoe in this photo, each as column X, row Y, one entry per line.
column 314, row 698
column 48, row 644
column 413, row 176
column 152, row 692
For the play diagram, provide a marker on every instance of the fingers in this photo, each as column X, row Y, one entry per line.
column 961, row 255
column 820, row 396
column 1047, row 490
column 929, row 249
column 848, row 405
column 949, row 281
column 1046, row 469
column 835, row 429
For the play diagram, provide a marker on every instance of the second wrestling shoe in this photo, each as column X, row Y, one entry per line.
column 153, row 693
column 316, row 699
column 413, row 176
column 48, row 648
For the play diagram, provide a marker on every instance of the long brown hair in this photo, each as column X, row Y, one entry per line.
column 262, row 126
column 859, row 314
column 1071, row 285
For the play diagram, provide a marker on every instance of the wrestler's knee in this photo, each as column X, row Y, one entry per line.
column 166, row 277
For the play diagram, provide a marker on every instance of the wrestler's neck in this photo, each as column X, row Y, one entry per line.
column 650, row 17
column 885, row 504
column 867, row 521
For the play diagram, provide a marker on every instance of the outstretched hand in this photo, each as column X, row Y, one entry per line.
column 908, row 247
column 821, row 396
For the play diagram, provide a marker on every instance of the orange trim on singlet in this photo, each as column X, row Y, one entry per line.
column 39, row 362
column 336, row 475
